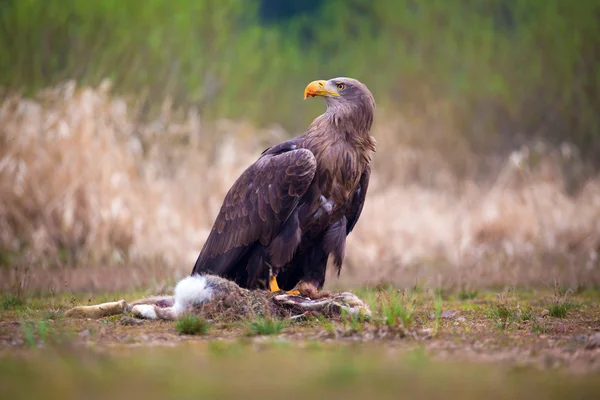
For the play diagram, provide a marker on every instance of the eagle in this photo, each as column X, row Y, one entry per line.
column 293, row 208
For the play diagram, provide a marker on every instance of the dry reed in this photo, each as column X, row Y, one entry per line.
column 84, row 183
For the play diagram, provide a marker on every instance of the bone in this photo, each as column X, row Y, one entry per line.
column 160, row 301
column 97, row 311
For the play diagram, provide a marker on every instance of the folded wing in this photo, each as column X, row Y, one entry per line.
column 257, row 206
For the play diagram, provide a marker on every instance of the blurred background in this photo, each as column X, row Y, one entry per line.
column 124, row 123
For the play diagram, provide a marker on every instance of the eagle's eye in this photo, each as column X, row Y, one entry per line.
column 341, row 86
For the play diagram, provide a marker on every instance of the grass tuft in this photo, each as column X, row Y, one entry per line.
column 396, row 307
column 561, row 304
column 12, row 303
column 559, row 310
column 28, row 329
column 43, row 333
column 540, row 327
column 506, row 312
column 353, row 323
column 467, row 294
column 265, row 326
column 192, row 325
column 437, row 306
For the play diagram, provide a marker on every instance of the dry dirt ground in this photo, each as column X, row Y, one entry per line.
column 423, row 343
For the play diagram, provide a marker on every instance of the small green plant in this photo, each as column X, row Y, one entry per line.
column 561, row 304
column 353, row 322
column 559, row 309
column 526, row 315
column 397, row 307
column 28, row 333
column 440, row 292
column 326, row 324
column 12, row 302
column 539, row 327
column 437, row 305
column 504, row 313
column 265, row 326
column 467, row 295
column 43, row 330
column 192, row 325
column 42, row 333
column 53, row 314
column 500, row 318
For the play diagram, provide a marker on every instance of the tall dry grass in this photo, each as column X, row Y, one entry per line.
column 92, row 197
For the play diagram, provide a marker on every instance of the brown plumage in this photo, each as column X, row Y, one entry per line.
column 293, row 208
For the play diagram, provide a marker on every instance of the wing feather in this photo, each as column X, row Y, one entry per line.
column 260, row 201
column 358, row 200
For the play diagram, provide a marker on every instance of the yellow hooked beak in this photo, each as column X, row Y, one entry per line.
column 317, row 88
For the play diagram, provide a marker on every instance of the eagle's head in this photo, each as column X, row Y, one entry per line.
column 347, row 99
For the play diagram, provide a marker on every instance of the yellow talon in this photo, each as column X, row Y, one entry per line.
column 273, row 286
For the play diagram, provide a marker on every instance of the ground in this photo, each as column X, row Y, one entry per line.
column 422, row 343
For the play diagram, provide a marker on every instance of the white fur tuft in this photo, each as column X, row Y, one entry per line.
column 144, row 311
column 190, row 291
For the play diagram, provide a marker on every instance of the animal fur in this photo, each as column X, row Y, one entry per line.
column 214, row 297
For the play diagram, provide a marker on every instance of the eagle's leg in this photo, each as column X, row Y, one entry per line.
column 274, row 287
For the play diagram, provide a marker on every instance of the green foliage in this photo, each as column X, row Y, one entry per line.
column 265, row 326
column 504, row 66
column 507, row 312
column 540, row 327
column 396, row 307
column 559, row 309
column 560, row 304
column 437, row 306
column 353, row 322
column 192, row 325
column 467, row 295
column 326, row 324
column 43, row 333
column 28, row 333
column 12, row 302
